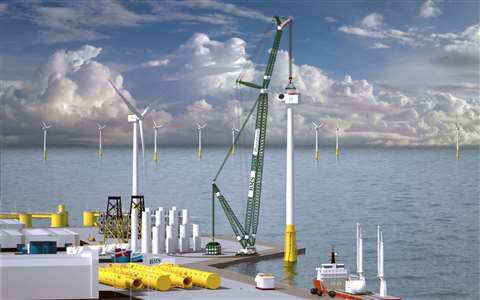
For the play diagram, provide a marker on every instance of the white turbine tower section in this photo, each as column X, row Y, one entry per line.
column 359, row 251
column 383, row 282
column 234, row 131
column 136, row 118
column 317, row 128
column 100, row 146
column 200, row 149
column 457, row 153
column 337, row 146
column 155, row 128
column 45, row 127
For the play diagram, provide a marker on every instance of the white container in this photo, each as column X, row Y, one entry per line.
column 265, row 281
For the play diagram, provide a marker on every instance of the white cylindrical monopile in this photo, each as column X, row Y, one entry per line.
column 156, row 240
column 160, row 217
column 196, row 230
column 289, row 169
column 185, row 216
column 146, row 232
column 170, row 240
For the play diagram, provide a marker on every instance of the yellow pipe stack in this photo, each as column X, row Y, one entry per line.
column 157, row 281
column 119, row 280
column 159, row 277
column 177, row 280
column 199, row 278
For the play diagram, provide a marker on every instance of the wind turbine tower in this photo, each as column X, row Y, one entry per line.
column 317, row 128
column 100, row 147
column 337, row 147
column 291, row 98
column 45, row 127
column 137, row 120
column 457, row 153
column 155, row 128
column 200, row 149
column 234, row 131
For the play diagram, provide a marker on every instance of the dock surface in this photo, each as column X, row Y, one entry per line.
column 234, row 285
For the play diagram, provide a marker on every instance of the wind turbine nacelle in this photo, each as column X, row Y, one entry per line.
column 289, row 98
column 132, row 118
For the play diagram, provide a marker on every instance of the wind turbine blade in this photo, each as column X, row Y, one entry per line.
column 43, row 124
column 130, row 105
column 154, row 124
column 140, row 122
column 315, row 125
column 145, row 111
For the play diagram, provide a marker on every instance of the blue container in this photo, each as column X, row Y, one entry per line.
column 42, row 247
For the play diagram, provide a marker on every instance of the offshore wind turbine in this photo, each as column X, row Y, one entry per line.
column 317, row 128
column 100, row 148
column 200, row 149
column 137, row 120
column 337, row 146
column 234, row 131
column 45, row 127
column 457, row 153
column 155, row 128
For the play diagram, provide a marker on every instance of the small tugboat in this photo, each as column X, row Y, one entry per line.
column 333, row 278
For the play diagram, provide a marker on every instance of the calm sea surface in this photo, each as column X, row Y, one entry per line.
column 427, row 202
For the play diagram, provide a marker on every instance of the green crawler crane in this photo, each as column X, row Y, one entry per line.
column 246, row 233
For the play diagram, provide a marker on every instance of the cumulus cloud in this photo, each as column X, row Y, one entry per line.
column 430, row 9
column 198, row 85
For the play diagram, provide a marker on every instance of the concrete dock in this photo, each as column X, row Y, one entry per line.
column 234, row 285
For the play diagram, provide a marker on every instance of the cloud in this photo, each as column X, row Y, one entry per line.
column 3, row 8
column 223, row 7
column 372, row 20
column 372, row 26
column 156, row 63
column 70, row 21
column 198, row 85
column 461, row 50
column 330, row 19
column 430, row 9
column 379, row 45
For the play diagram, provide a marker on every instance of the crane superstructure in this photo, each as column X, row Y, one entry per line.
column 246, row 233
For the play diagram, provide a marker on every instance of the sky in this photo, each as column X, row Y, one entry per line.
column 389, row 73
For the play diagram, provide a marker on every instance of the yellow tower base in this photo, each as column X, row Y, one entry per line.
column 45, row 155
column 100, row 152
column 316, row 155
column 200, row 153
column 337, row 152
column 233, row 151
column 290, row 244
column 155, row 156
column 457, row 155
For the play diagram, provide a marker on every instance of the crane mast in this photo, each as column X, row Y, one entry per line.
column 246, row 233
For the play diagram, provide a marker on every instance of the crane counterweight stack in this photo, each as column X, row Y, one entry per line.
column 246, row 233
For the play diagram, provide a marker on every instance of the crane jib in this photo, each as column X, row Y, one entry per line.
column 246, row 233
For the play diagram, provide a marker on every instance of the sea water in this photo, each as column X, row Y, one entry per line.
column 426, row 200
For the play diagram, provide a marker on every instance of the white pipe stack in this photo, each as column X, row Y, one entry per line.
column 146, row 232
column 183, row 241
column 173, row 222
column 169, row 242
column 197, row 242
